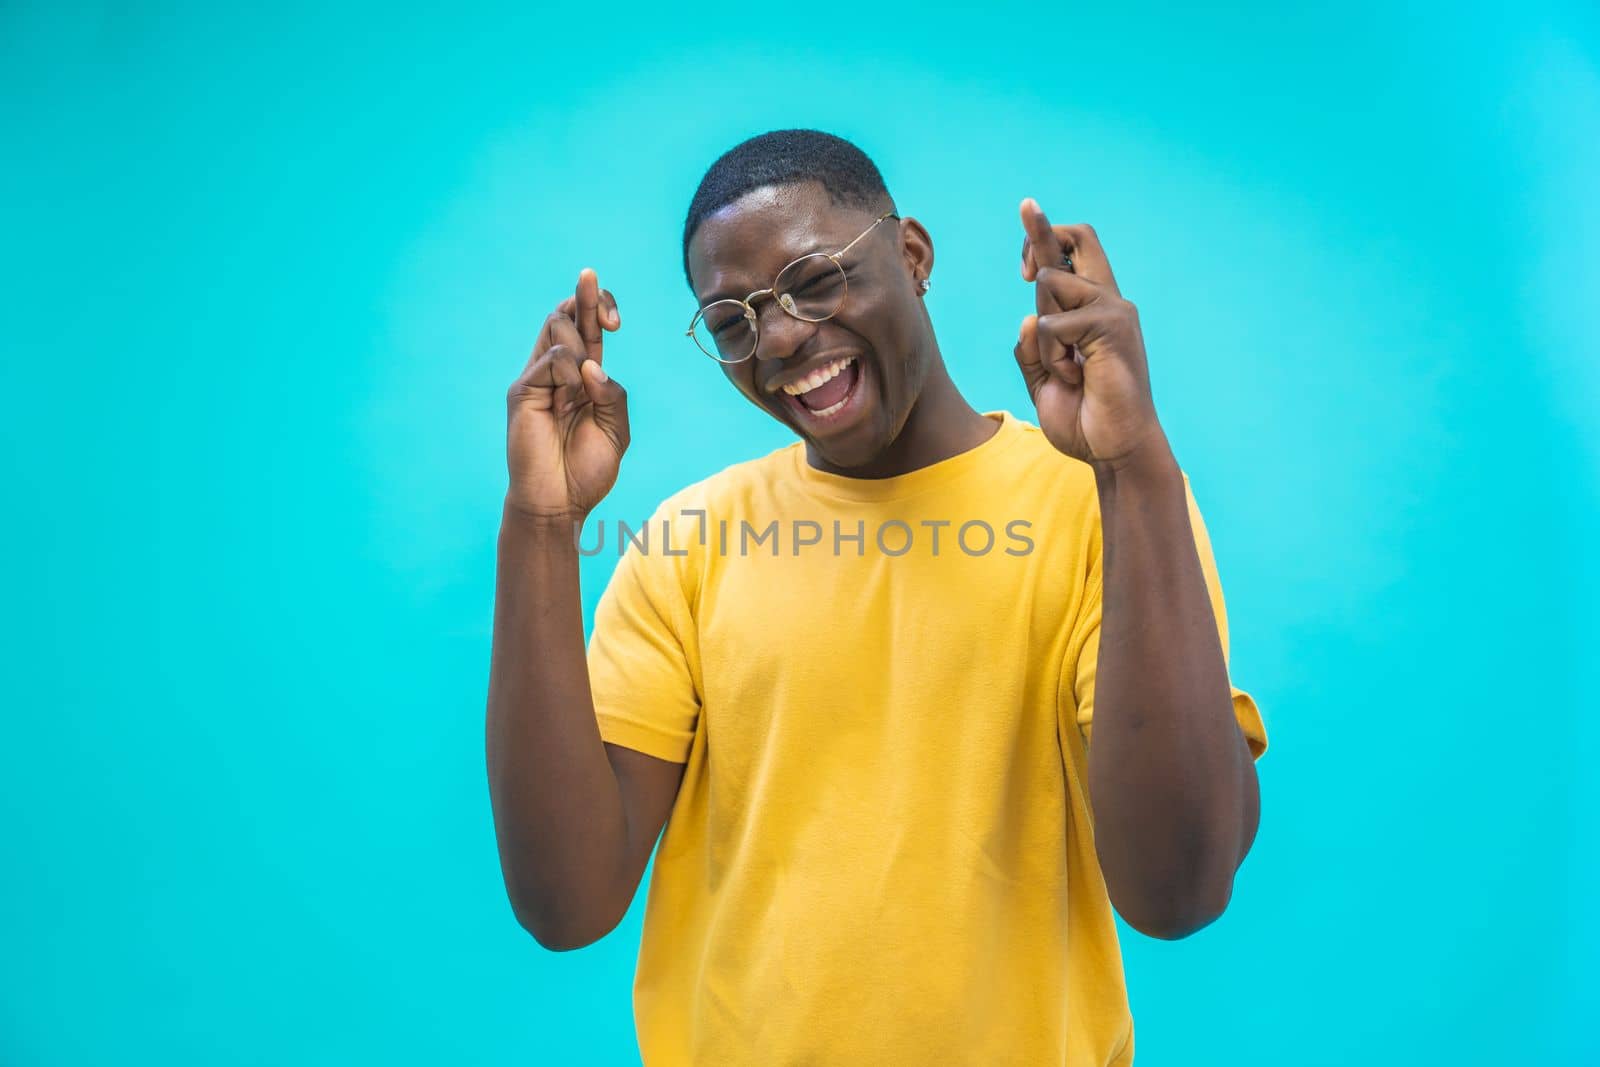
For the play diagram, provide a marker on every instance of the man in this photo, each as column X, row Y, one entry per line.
column 869, row 724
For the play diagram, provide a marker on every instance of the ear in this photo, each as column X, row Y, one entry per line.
column 916, row 250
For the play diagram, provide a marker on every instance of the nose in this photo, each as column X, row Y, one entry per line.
column 779, row 333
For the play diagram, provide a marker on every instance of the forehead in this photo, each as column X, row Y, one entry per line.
column 742, row 246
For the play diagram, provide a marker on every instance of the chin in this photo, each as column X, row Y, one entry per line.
column 854, row 434
column 860, row 451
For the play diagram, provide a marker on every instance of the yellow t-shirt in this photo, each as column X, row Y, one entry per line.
column 881, row 852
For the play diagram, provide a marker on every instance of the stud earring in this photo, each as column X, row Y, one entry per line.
column 922, row 286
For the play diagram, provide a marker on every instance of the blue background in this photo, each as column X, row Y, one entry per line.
column 267, row 277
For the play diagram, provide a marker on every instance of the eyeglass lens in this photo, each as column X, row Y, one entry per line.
column 811, row 288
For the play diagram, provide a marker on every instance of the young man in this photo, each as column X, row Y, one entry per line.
column 864, row 723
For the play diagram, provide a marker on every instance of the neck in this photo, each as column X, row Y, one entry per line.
column 941, row 425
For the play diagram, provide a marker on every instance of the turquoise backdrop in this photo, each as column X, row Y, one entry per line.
column 266, row 277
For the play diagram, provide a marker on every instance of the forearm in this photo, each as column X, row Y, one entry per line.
column 1170, row 775
column 558, row 811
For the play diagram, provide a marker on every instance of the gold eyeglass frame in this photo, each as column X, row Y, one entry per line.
column 788, row 308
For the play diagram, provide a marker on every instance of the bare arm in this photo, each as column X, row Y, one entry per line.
column 1171, row 778
column 575, row 818
column 1170, row 775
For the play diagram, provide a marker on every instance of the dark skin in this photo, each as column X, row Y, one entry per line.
column 916, row 416
column 1170, row 776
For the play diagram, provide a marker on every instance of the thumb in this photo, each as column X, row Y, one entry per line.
column 1027, row 352
column 610, row 401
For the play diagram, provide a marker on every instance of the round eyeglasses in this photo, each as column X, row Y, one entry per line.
column 812, row 289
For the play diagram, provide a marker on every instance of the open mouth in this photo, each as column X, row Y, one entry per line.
column 827, row 393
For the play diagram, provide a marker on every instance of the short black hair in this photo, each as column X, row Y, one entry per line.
column 784, row 157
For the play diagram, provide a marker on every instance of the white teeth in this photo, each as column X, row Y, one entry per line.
column 818, row 376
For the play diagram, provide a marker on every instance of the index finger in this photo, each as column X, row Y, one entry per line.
column 588, row 317
column 610, row 317
column 1041, row 237
column 1032, row 267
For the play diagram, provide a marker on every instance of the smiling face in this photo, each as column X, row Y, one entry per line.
column 852, row 380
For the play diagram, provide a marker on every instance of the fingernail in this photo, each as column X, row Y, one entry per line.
column 600, row 372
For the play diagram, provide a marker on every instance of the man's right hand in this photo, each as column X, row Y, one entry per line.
column 566, row 420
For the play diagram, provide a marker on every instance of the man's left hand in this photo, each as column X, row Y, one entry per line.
column 1082, row 353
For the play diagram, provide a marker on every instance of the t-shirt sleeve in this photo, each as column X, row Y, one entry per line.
column 1083, row 654
column 641, row 657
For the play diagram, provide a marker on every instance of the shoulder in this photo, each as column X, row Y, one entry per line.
column 729, row 489
column 1050, row 476
column 1064, row 488
column 675, row 545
